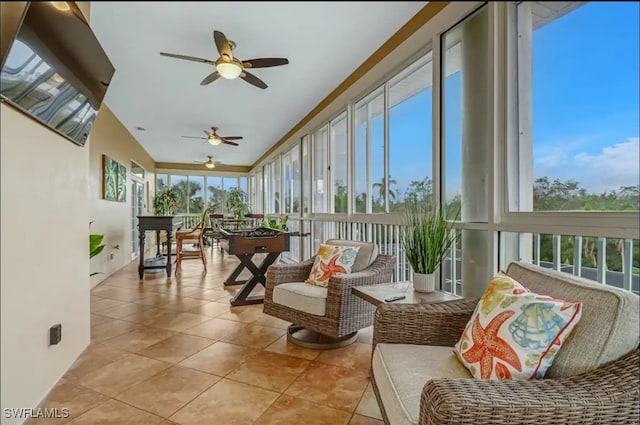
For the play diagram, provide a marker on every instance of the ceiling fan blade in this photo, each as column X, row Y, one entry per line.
column 222, row 44
column 227, row 142
column 191, row 137
column 189, row 58
column 232, row 138
column 210, row 78
column 265, row 62
column 252, row 79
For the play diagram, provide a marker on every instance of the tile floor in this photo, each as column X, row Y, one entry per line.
column 175, row 352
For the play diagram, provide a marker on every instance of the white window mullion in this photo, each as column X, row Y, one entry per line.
column 386, row 147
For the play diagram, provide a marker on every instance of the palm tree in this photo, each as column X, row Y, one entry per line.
column 382, row 188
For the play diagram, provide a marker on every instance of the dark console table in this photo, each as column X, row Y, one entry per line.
column 156, row 223
column 244, row 244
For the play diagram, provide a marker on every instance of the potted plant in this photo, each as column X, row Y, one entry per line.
column 426, row 237
column 236, row 203
column 164, row 202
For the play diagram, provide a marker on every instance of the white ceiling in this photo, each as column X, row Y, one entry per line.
column 324, row 42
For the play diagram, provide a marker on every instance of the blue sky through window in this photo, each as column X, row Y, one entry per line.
column 585, row 96
column 585, row 106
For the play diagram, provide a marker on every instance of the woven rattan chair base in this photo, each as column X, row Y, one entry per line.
column 308, row 338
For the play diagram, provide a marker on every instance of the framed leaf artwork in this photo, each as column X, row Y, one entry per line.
column 114, row 180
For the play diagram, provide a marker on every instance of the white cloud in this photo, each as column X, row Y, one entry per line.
column 614, row 166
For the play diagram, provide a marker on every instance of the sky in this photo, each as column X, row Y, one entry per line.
column 585, row 106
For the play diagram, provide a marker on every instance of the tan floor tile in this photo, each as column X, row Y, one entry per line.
column 93, row 358
column 184, row 303
column 211, row 308
column 215, row 328
column 155, row 300
column 115, row 377
column 122, row 310
column 96, row 320
column 330, row 385
column 282, row 346
column 243, row 314
column 368, row 405
column 254, row 336
column 234, row 404
column 146, row 315
column 212, row 295
column 169, row 390
column 269, row 370
column 177, row 321
column 364, row 420
column 120, row 294
column 114, row 412
column 272, row 322
column 105, row 304
column 74, row 398
column 219, row 358
column 288, row 410
column 108, row 330
column 356, row 355
column 176, row 348
column 139, row 339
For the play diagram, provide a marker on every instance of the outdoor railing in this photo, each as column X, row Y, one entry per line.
column 580, row 255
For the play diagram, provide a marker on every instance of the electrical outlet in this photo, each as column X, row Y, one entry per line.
column 55, row 334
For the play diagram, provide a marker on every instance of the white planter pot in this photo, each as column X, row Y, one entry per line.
column 424, row 282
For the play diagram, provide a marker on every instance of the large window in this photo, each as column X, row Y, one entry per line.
column 216, row 195
column 180, row 185
column 320, row 165
column 578, row 105
column 196, row 194
column 306, row 175
column 410, row 147
column 291, row 175
column 339, row 163
column 369, row 153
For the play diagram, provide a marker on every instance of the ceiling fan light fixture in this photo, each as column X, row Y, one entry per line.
column 228, row 70
column 210, row 164
column 214, row 140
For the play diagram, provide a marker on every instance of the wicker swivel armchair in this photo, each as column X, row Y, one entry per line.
column 325, row 318
column 594, row 379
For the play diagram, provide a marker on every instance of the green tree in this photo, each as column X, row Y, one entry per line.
column 420, row 192
column 340, row 197
column 217, row 199
column 187, row 199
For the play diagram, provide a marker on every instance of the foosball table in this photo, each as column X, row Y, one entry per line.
column 244, row 244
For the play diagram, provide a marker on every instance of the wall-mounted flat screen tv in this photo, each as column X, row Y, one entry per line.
column 55, row 69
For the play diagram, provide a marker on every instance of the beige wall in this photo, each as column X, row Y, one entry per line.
column 45, row 259
column 113, row 219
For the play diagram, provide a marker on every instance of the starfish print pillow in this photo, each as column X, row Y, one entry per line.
column 331, row 260
column 514, row 333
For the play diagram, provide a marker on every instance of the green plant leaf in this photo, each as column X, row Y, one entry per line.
column 95, row 245
column 426, row 237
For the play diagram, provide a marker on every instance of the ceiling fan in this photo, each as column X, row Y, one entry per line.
column 214, row 139
column 229, row 67
column 210, row 163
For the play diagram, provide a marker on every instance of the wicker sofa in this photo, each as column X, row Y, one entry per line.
column 595, row 378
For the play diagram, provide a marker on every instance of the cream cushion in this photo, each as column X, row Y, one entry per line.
column 302, row 297
column 609, row 327
column 401, row 370
column 367, row 253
